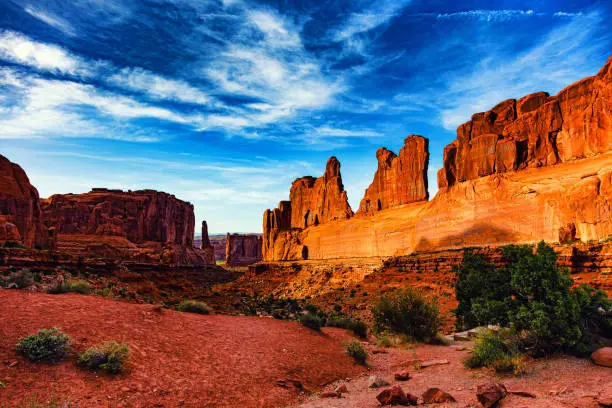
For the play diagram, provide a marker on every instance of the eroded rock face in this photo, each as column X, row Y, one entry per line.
column 316, row 201
column 20, row 207
column 399, row 179
column 206, row 246
column 534, row 131
column 242, row 249
column 145, row 225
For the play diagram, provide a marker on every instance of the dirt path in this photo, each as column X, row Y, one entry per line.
column 178, row 359
column 561, row 381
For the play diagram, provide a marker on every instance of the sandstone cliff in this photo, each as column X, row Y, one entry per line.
column 534, row 131
column 242, row 249
column 399, row 179
column 537, row 168
column 20, row 212
column 145, row 225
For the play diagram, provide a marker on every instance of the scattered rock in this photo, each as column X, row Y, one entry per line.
column 460, row 348
column 341, row 389
column 604, row 398
column 376, row 382
column 330, row 394
column 603, row 356
column 523, row 394
column 379, row 351
column 431, row 363
column 13, row 363
column 490, row 393
column 403, row 375
column 437, row 396
column 396, row 396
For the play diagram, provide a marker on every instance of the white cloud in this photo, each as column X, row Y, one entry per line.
column 326, row 131
column 157, row 86
column 15, row 47
column 379, row 13
column 52, row 20
column 488, row 15
column 277, row 32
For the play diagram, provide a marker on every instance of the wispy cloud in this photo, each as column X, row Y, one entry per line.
column 325, row 131
column 52, row 20
column 158, row 86
column 18, row 48
column 379, row 13
column 488, row 15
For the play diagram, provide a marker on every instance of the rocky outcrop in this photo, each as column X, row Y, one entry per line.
column 534, row 131
column 399, row 179
column 537, row 168
column 242, row 249
column 146, row 225
column 206, row 246
column 20, row 212
column 316, row 201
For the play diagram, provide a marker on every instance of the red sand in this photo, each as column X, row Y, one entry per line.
column 178, row 359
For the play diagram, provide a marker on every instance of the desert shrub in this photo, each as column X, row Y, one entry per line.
column 110, row 357
column 483, row 292
column 407, row 312
column 595, row 317
column 357, row 326
column 66, row 286
column 193, row 306
column 13, row 244
column 311, row 321
column 356, row 350
column 19, row 279
column 48, row 345
column 499, row 350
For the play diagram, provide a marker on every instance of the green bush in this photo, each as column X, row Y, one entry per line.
column 356, row 350
column 67, row 286
column 595, row 316
column 48, row 345
column 407, row 312
column 483, row 293
column 359, row 327
column 491, row 347
column 311, row 321
column 110, row 357
column 193, row 306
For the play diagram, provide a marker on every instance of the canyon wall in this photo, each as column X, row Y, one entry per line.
column 399, row 179
column 242, row 249
column 144, row 225
column 20, row 211
column 537, row 168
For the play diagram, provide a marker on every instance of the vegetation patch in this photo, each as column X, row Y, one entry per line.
column 356, row 350
column 48, row 345
column 110, row 357
column 311, row 321
column 67, row 286
column 193, row 306
column 407, row 312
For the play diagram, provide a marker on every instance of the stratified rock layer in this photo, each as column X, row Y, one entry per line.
column 399, row 179
column 316, row 201
column 20, row 208
column 537, row 168
column 146, row 225
column 534, row 131
column 242, row 249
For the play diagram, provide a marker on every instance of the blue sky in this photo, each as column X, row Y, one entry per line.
column 224, row 103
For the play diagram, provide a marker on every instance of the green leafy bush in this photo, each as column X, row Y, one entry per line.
column 359, row 327
column 311, row 321
column 356, row 350
column 407, row 312
column 193, row 306
column 110, row 357
column 483, row 293
column 491, row 347
column 48, row 345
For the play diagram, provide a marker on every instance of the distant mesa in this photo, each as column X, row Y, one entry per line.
column 536, row 168
column 242, row 249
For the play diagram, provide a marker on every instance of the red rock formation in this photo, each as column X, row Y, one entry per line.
column 536, row 130
column 20, row 206
column 399, row 179
column 206, row 246
column 242, row 249
column 148, row 225
column 316, row 201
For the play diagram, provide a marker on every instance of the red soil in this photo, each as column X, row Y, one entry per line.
column 178, row 359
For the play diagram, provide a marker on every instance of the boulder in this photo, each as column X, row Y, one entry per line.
column 399, row 179
column 603, row 356
column 490, row 393
column 376, row 382
column 437, row 396
column 396, row 396
column 341, row 389
column 403, row 375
